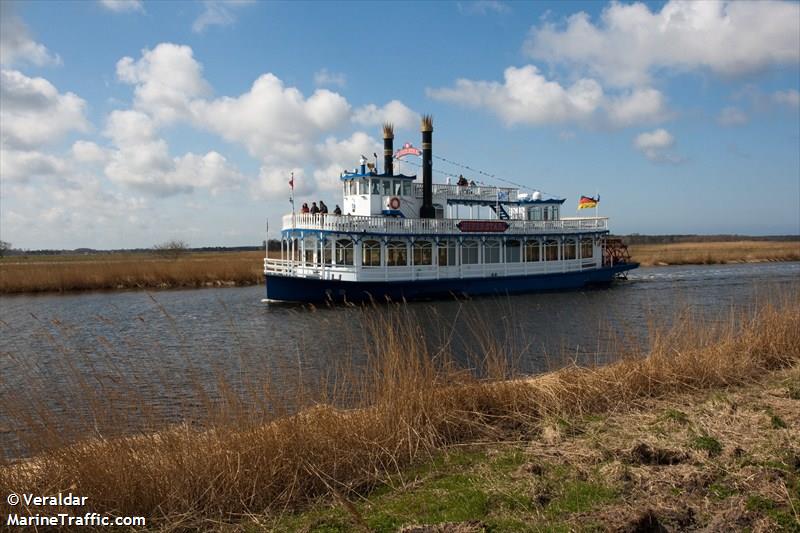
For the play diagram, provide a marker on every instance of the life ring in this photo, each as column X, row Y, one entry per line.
column 394, row 202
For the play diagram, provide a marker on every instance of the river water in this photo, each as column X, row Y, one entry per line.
column 166, row 348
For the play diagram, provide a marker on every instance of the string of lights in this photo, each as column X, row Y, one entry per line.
column 471, row 169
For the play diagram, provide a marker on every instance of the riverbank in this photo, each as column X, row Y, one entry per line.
column 62, row 273
column 704, row 420
column 724, row 459
column 714, row 253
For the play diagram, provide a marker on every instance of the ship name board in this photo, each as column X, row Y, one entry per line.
column 482, row 226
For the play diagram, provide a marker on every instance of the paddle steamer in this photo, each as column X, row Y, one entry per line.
column 400, row 239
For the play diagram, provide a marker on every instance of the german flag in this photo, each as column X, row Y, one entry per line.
column 587, row 201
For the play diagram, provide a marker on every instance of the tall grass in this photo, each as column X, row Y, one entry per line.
column 257, row 455
column 708, row 253
column 129, row 271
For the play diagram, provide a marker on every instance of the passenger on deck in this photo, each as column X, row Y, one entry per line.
column 304, row 209
column 314, row 208
column 472, row 183
column 462, row 181
column 338, row 210
column 323, row 209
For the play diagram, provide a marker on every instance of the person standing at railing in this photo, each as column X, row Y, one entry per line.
column 304, row 209
column 323, row 209
column 337, row 211
column 314, row 208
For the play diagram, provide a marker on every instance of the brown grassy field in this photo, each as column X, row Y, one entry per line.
column 707, row 253
column 128, row 271
column 411, row 402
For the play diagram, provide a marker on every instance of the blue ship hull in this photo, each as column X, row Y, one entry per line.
column 293, row 289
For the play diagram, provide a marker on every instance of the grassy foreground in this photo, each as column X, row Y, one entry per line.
column 701, row 431
column 712, row 253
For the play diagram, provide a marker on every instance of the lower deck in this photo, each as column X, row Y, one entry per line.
column 368, row 258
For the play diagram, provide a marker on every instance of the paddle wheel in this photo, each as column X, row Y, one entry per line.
column 615, row 252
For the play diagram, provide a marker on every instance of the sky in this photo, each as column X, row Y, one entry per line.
column 128, row 123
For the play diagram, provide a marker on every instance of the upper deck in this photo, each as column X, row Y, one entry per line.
column 438, row 226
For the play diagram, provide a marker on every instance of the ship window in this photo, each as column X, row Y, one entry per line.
column 363, row 186
column 372, row 253
column 406, row 188
column 469, row 252
column 310, row 248
column 387, row 187
column 344, row 252
column 397, row 187
column 423, row 253
column 555, row 212
column 447, row 253
column 513, row 251
column 396, row 253
column 376, row 189
column 491, row 251
column 587, row 249
column 550, row 250
column 570, row 249
column 546, row 213
column 295, row 250
column 326, row 252
column 532, row 251
column 536, row 213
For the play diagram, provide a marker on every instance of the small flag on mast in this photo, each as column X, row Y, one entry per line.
column 291, row 181
column 587, row 202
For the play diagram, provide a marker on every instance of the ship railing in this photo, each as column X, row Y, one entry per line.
column 470, row 192
column 303, row 269
column 443, row 226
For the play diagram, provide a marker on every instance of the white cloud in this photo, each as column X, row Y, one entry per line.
column 483, row 7
column 526, row 97
column 273, row 184
column 123, row 6
column 166, row 78
column 334, row 155
column 16, row 45
column 656, row 146
column 630, row 42
column 790, row 97
column 142, row 161
column 324, row 77
column 637, row 107
column 277, row 124
column 88, row 152
column 395, row 112
column 33, row 112
column 732, row 116
column 26, row 165
column 218, row 13
column 272, row 120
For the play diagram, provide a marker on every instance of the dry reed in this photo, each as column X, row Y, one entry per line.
column 408, row 401
column 129, row 271
column 708, row 253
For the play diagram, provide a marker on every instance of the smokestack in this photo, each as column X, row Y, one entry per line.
column 427, row 210
column 388, row 149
